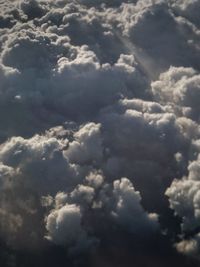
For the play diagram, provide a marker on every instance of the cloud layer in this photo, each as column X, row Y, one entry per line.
column 99, row 133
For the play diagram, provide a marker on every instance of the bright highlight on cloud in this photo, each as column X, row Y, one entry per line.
column 99, row 132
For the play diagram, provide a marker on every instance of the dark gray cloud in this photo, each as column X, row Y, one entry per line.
column 99, row 130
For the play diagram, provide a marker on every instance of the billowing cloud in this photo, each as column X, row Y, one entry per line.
column 71, row 223
column 99, row 130
column 184, row 198
column 64, row 226
column 179, row 87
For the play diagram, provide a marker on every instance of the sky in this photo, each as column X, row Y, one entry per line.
column 99, row 133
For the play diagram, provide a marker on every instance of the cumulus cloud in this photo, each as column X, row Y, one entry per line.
column 87, row 146
column 92, row 92
column 71, row 223
column 184, row 200
column 179, row 87
column 64, row 227
column 127, row 211
column 188, row 9
column 29, row 170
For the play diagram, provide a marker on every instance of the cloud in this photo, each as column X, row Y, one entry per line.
column 64, row 226
column 29, row 170
column 87, row 146
column 99, row 133
column 71, row 222
column 128, row 211
column 179, row 87
column 188, row 9
column 144, row 27
column 184, row 200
